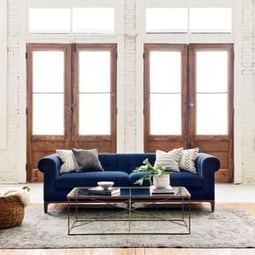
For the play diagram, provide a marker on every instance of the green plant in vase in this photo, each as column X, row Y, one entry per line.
column 151, row 173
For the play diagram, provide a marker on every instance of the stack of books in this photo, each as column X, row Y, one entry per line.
column 168, row 190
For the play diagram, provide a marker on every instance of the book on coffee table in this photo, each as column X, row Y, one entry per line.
column 105, row 192
column 168, row 190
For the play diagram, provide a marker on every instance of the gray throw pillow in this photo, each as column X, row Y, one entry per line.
column 87, row 160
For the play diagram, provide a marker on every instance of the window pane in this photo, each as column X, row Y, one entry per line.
column 166, row 20
column 212, row 117
column 48, row 114
column 211, row 20
column 48, row 71
column 165, row 71
column 94, row 71
column 94, row 114
column 49, row 20
column 165, row 113
column 212, row 71
column 93, row 20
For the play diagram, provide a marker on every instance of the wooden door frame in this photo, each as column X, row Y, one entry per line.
column 182, row 48
column 93, row 140
column 151, row 142
column 67, row 140
column 229, row 48
column 30, row 48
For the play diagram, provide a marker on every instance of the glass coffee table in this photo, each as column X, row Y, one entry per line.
column 129, row 205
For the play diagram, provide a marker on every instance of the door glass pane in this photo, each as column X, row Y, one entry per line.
column 165, row 114
column 94, row 71
column 165, row 71
column 166, row 20
column 211, row 20
column 94, row 114
column 54, row 20
column 93, row 20
column 212, row 93
column 48, row 71
column 48, row 114
column 48, row 93
column 212, row 114
column 212, row 71
column 165, row 93
column 94, row 89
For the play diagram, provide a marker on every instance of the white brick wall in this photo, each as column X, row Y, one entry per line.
column 248, row 90
column 13, row 158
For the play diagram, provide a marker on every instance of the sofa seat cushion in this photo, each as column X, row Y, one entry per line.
column 182, row 178
column 91, row 178
column 186, row 178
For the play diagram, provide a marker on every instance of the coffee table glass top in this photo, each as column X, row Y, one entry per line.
column 125, row 192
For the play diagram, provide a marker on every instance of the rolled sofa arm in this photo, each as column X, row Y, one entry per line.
column 50, row 166
column 207, row 164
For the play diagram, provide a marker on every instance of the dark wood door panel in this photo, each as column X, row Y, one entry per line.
column 197, row 89
column 42, row 144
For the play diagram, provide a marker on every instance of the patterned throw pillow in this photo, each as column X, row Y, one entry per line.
column 169, row 160
column 187, row 161
column 87, row 160
column 69, row 162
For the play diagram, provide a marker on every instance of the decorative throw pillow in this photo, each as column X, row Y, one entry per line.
column 68, row 159
column 187, row 161
column 169, row 160
column 87, row 160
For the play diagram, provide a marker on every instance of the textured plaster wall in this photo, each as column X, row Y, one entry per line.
column 13, row 156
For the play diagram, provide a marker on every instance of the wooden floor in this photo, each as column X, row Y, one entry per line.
column 140, row 251
column 130, row 251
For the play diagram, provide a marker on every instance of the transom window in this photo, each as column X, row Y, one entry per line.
column 71, row 20
column 188, row 20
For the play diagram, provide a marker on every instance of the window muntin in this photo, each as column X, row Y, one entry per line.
column 48, row 93
column 165, row 93
column 94, row 92
column 211, row 93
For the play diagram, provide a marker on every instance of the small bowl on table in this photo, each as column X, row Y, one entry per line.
column 105, row 184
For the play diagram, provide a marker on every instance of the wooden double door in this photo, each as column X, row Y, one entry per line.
column 71, row 99
column 188, row 100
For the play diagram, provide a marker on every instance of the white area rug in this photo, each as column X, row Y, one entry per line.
column 225, row 228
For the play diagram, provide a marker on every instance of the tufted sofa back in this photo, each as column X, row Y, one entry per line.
column 124, row 161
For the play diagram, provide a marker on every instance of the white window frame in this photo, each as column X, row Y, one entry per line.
column 3, row 74
column 142, row 5
column 117, row 5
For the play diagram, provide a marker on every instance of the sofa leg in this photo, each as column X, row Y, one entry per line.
column 46, row 207
column 212, row 206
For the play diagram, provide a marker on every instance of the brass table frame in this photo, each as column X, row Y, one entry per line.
column 180, row 198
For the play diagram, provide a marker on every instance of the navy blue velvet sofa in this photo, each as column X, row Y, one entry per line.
column 118, row 167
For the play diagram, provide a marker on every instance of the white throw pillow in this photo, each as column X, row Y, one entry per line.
column 187, row 161
column 169, row 160
column 68, row 159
